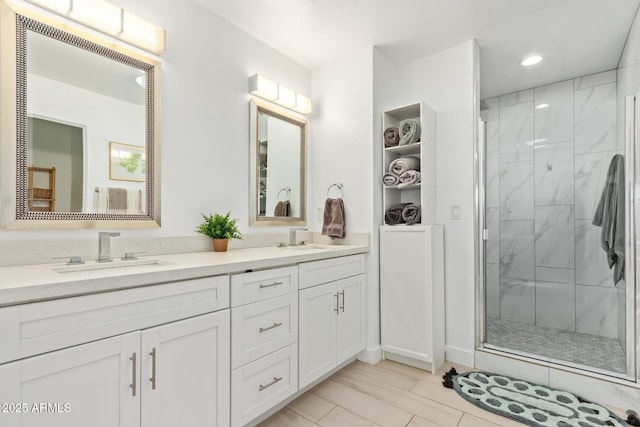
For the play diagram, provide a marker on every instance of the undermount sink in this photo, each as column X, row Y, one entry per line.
column 116, row 264
column 307, row 246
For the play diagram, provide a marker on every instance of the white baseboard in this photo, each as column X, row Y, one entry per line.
column 371, row 355
column 459, row 355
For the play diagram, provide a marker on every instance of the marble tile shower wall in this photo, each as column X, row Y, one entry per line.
column 548, row 151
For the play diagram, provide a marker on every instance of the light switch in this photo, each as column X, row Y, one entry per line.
column 456, row 212
column 319, row 214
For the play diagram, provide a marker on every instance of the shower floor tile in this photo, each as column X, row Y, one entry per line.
column 583, row 349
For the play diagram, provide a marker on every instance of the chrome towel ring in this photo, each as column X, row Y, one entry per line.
column 287, row 191
column 337, row 184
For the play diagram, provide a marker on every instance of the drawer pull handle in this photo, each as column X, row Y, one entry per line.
column 342, row 306
column 271, row 285
column 275, row 325
column 153, row 368
column 337, row 309
column 275, row 380
column 133, row 384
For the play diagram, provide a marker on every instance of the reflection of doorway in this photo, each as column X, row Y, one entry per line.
column 59, row 145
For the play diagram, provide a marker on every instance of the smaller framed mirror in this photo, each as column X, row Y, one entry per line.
column 278, row 141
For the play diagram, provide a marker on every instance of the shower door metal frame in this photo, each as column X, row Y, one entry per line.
column 631, row 133
column 480, row 235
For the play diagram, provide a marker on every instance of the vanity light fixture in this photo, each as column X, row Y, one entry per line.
column 286, row 97
column 111, row 20
column 532, row 60
column 272, row 91
column 541, row 106
column 263, row 87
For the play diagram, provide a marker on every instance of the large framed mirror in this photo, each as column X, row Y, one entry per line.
column 80, row 137
column 278, row 141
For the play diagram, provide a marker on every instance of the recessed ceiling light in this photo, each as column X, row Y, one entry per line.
column 541, row 106
column 531, row 60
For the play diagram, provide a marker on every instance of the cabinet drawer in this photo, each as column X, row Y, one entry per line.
column 258, row 386
column 263, row 327
column 260, row 285
column 30, row 329
column 327, row 270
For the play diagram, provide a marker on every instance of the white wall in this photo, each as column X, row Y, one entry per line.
column 341, row 150
column 444, row 81
column 205, row 109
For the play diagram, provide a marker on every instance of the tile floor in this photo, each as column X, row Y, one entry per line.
column 584, row 349
column 388, row 394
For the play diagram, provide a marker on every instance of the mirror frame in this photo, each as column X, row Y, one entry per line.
column 257, row 106
column 15, row 20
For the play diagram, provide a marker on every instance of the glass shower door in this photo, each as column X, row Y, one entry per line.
column 548, row 292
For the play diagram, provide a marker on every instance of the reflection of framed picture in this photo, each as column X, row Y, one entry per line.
column 127, row 162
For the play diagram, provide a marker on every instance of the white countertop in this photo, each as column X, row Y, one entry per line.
column 31, row 283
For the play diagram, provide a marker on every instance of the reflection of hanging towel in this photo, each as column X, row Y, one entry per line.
column 117, row 198
column 113, row 200
column 610, row 216
column 334, row 219
column 282, row 208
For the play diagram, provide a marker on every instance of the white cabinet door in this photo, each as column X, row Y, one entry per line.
column 95, row 384
column 185, row 373
column 350, row 328
column 317, row 332
column 412, row 294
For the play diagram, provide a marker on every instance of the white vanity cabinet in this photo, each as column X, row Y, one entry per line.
column 264, row 336
column 149, row 356
column 184, row 373
column 332, row 315
column 88, row 384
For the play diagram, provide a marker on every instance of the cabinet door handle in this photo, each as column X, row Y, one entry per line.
column 271, row 285
column 134, row 381
column 275, row 325
column 275, row 380
column 342, row 306
column 153, row 368
column 337, row 309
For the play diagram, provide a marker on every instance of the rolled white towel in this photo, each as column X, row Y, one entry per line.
column 390, row 179
column 409, row 131
column 408, row 178
column 403, row 164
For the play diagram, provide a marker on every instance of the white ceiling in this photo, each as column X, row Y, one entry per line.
column 576, row 37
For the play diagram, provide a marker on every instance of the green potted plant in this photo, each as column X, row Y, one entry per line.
column 220, row 228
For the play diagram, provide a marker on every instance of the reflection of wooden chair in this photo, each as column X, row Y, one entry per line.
column 43, row 197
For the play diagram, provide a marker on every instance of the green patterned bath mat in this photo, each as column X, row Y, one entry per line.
column 531, row 404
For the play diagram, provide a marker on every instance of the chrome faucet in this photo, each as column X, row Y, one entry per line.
column 104, row 245
column 293, row 234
